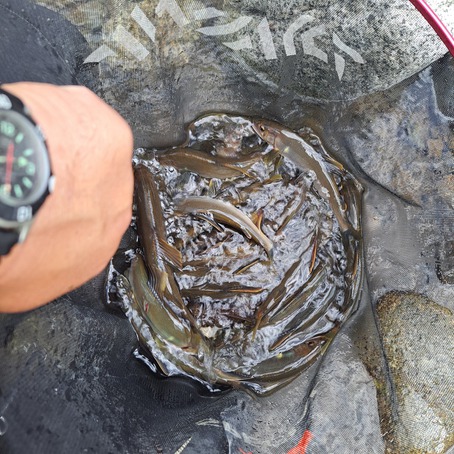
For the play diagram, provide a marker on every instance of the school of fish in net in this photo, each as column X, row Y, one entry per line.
column 249, row 253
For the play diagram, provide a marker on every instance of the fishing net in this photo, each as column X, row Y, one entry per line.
column 375, row 83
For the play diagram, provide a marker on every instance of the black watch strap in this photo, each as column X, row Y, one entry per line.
column 8, row 238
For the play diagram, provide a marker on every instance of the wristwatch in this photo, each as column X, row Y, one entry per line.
column 25, row 171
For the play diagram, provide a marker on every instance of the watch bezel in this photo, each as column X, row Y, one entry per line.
column 12, row 217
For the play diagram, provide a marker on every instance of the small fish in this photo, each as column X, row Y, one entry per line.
column 238, row 196
column 290, row 144
column 289, row 307
column 285, row 365
column 277, row 295
column 293, row 212
column 161, row 318
column 258, row 185
column 159, row 254
column 201, row 271
column 207, row 165
column 273, row 299
column 314, row 253
column 219, row 291
column 244, row 268
column 298, row 322
column 310, row 345
column 227, row 214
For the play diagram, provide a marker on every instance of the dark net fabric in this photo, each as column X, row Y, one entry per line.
column 376, row 84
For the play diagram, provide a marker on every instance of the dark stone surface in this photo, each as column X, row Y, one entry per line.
column 418, row 339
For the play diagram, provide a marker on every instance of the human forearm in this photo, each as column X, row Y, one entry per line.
column 80, row 225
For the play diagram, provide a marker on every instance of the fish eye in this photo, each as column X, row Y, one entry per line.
column 262, row 128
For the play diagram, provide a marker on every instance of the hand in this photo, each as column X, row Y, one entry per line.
column 80, row 225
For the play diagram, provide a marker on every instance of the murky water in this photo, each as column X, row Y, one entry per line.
column 264, row 299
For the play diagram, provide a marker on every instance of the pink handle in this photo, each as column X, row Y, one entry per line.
column 435, row 23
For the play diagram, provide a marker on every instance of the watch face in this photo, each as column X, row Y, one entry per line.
column 24, row 163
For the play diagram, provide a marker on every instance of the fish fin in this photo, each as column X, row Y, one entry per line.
column 164, row 283
column 273, row 178
column 335, row 165
column 314, row 254
column 171, row 254
column 278, row 163
column 270, row 156
column 257, row 218
column 213, row 188
column 257, row 325
column 242, row 170
column 211, row 221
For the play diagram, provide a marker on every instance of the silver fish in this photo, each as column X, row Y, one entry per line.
column 226, row 213
column 291, row 145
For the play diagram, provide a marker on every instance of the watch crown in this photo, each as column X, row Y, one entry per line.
column 5, row 102
column 51, row 184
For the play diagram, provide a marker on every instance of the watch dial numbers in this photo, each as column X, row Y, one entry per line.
column 7, row 129
column 23, row 162
column 17, row 170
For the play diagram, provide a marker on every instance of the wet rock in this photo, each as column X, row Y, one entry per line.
column 418, row 339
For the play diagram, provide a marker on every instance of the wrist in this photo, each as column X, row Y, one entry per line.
column 79, row 227
column 25, row 173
